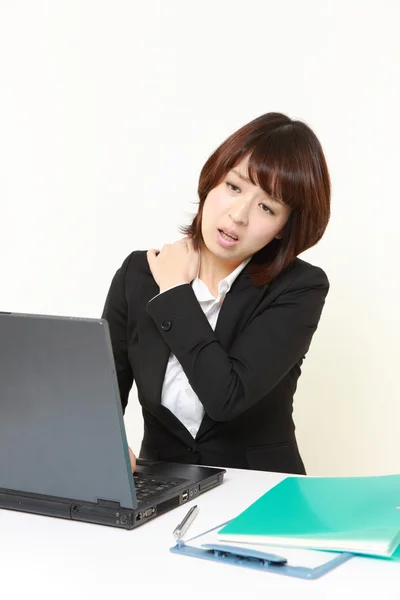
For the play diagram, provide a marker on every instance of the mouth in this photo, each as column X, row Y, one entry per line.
column 227, row 239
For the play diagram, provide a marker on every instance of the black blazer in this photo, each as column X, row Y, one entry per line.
column 245, row 373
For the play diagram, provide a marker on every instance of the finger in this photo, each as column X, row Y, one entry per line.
column 190, row 244
column 132, row 459
column 185, row 243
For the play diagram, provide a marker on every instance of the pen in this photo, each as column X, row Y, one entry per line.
column 182, row 528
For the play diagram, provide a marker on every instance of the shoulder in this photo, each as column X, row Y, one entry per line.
column 132, row 272
column 136, row 262
column 300, row 278
column 301, row 272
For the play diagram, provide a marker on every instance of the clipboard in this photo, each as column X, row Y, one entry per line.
column 269, row 559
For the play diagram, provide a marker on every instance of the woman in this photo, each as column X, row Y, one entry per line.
column 214, row 328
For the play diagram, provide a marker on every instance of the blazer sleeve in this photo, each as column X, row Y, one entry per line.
column 261, row 355
column 116, row 314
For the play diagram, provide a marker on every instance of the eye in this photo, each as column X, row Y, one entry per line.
column 233, row 187
column 266, row 208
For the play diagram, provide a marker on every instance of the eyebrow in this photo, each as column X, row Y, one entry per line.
column 242, row 177
column 247, row 180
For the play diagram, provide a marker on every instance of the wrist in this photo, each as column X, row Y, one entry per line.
column 166, row 285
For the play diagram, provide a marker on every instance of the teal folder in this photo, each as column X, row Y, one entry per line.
column 350, row 514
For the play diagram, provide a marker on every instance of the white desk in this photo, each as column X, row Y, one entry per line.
column 48, row 558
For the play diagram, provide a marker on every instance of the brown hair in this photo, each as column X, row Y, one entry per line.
column 287, row 161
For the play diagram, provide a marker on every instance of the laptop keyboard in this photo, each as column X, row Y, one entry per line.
column 148, row 486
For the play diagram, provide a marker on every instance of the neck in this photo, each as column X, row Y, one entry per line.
column 213, row 270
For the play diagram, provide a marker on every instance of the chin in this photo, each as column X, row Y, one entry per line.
column 225, row 254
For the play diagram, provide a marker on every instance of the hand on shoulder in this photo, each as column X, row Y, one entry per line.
column 175, row 264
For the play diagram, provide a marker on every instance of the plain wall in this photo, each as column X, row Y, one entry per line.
column 108, row 111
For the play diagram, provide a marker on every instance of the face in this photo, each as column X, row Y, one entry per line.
column 239, row 218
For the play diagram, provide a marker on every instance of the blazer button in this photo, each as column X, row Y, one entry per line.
column 192, row 450
column 166, row 325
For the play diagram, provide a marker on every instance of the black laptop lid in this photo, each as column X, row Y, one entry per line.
column 61, row 425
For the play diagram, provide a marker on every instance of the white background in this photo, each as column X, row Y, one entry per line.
column 108, row 110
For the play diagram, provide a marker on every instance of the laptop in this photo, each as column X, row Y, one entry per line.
column 63, row 446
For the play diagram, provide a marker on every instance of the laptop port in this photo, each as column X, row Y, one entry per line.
column 139, row 517
column 185, row 496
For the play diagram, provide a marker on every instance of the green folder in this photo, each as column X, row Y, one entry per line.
column 350, row 514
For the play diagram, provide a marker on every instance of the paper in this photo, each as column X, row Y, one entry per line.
column 295, row 557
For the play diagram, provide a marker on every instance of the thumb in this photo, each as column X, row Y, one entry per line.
column 132, row 458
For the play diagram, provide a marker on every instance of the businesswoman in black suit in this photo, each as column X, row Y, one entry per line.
column 214, row 328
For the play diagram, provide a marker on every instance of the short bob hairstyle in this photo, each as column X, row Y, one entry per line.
column 286, row 160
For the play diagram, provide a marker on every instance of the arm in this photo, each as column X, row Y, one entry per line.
column 115, row 312
column 271, row 344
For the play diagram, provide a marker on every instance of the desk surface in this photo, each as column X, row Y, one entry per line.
column 42, row 557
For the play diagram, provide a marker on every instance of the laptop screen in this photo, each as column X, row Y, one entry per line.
column 61, row 424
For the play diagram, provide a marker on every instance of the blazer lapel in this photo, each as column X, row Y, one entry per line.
column 236, row 308
column 235, row 311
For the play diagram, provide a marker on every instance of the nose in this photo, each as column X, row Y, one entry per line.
column 239, row 212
